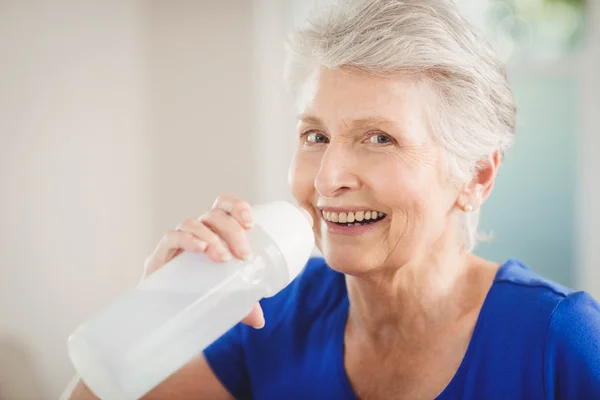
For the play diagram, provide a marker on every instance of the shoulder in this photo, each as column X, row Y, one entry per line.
column 572, row 348
column 563, row 322
column 575, row 327
column 553, row 304
column 521, row 307
column 515, row 272
column 516, row 285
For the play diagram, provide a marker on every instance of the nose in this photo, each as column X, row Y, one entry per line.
column 337, row 172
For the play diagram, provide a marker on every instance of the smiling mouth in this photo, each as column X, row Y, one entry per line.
column 357, row 218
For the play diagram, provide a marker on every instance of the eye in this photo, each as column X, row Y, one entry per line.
column 380, row 138
column 315, row 137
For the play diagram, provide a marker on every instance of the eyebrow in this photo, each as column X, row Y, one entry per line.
column 362, row 123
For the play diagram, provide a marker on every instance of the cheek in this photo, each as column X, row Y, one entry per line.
column 420, row 198
column 401, row 184
column 301, row 177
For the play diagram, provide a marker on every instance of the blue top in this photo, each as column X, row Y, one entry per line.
column 534, row 339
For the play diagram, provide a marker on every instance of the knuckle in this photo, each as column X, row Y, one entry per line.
column 206, row 216
column 240, row 205
column 223, row 197
column 190, row 221
column 226, row 202
column 187, row 223
column 228, row 196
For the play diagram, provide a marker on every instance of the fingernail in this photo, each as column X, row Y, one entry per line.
column 248, row 257
column 262, row 325
column 247, row 219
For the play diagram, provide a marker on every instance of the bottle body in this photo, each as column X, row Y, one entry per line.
column 171, row 317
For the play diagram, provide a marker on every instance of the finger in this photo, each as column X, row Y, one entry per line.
column 218, row 255
column 229, row 229
column 237, row 208
column 256, row 318
column 217, row 250
column 171, row 242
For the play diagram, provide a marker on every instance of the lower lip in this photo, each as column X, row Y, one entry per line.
column 353, row 230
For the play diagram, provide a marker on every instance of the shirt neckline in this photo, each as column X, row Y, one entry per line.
column 448, row 392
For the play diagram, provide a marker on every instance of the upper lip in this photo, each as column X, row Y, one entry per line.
column 348, row 209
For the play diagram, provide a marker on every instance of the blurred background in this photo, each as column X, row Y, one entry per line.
column 118, row 119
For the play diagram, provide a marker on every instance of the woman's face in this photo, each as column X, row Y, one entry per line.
column 369, row 171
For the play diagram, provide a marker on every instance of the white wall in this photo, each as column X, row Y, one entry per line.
column 117, row 120
column 72, row 172
column 201, row 105
column 275, row 127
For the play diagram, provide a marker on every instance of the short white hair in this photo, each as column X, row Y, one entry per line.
column 474, row 115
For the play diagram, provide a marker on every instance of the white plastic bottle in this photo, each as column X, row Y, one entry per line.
column 175, row 313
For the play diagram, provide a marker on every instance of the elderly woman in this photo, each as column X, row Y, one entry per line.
column 404, row 114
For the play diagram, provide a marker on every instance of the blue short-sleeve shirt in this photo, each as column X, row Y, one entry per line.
column 534, row 339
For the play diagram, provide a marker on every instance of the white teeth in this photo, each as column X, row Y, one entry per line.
column 351, row 218
column 359, row 215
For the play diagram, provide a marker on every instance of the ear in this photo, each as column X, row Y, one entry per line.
column 476, row 192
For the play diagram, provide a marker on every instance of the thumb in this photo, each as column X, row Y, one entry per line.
column 256, row 318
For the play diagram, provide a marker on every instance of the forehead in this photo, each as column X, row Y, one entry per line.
column 335, row 94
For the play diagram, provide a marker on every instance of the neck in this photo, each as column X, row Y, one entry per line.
column 410, row 300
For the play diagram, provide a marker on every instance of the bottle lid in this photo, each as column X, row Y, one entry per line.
column 291, row 228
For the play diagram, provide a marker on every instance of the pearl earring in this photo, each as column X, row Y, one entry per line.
column 468, row 208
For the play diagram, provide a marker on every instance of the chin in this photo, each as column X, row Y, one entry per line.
column 350, row 262
column 359, row 262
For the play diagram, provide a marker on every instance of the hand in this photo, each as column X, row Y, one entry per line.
column 220, row 234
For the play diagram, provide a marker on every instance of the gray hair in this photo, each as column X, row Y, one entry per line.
column 474, row 112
